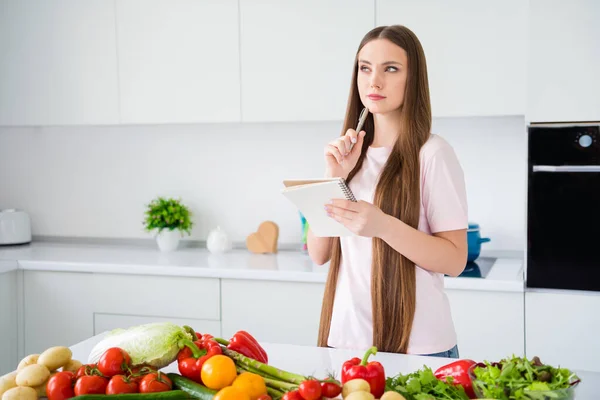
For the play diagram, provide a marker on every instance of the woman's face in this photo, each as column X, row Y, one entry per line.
column 381, row 76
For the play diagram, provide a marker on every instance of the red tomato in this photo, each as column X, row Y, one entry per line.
column 138, row 373
column 91, row 385
column 310, row 389
column 330, row 389
column 87, row 369
column 120, row 384
column 293, row 395
column 114, row 361
column 60, row 386
column 155, row 382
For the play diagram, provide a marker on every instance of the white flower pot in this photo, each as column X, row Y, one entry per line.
column 168, row 240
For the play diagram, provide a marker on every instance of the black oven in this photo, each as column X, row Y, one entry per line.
column 563, row 206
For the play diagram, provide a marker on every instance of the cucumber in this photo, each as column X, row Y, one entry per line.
column 196, row 390
column 167, row 395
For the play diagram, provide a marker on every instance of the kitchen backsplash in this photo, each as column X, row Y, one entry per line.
column 95, row 181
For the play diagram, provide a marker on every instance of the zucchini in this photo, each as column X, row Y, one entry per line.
column 196, row 390
column 167, row 395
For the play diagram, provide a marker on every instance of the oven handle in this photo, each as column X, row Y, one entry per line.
column 566, row 168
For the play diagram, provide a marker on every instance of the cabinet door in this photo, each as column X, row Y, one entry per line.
column 8, row 322
column 562, row 328
column 297, row 57
column 475, row 52
column 275, row 312
column 178, row 61
column 564, row 60
column 489, row 325
column 59, row 63
column 107, row 322
column 58, row 309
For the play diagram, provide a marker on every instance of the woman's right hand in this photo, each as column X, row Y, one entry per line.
column 339, row 159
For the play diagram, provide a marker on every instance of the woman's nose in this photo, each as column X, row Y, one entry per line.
column 376, row 82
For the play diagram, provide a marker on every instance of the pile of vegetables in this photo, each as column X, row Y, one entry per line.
column 126, row 365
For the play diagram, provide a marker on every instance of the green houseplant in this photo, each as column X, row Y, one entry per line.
column 169, row 218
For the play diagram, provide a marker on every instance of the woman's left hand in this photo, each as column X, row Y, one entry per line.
column 361, row 217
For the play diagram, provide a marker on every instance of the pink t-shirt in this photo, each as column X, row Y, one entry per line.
column 443, row 208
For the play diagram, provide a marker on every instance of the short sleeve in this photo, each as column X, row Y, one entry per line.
column 444, row 191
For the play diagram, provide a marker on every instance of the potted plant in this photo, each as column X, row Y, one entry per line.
column 169, row 218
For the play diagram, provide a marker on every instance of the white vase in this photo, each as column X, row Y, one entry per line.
column 168, row 240
column 218, row 241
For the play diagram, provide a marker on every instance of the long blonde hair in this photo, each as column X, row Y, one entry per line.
column 393, row 285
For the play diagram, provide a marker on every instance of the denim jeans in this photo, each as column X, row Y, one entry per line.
column 452, row 353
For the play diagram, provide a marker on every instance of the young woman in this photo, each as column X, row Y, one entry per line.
column 386, row 285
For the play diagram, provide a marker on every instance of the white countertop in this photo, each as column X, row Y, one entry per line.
column 506, row 274
column 319, row 361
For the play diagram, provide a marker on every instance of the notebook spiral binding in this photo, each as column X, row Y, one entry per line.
column 347, row 192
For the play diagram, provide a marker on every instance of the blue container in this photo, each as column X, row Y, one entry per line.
column 474, row 240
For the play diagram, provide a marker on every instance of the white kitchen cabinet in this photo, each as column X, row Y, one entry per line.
column 107, row 322
column 178, row 61
column 157, row 296
column 272, row 311
column 475, row 52
column 562, row 328
column 58, row 309
column 59, row 63
column 489, row 325
column 563, row 61
column 297, row 57
column 8, row 321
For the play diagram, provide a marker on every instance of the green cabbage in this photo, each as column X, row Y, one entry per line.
column 154, row 344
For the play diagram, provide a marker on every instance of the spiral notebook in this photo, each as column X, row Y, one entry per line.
column 310, row 197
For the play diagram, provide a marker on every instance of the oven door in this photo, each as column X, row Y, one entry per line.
column 563, row 227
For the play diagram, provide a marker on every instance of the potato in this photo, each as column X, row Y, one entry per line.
column 55, row 357
column 41, row 389
column 360, row 395
column 20, row 393
column 29, row 360
column 355, row 385
column 391, row 395
column 8, row 381
column 72, row 366
column 33, row 375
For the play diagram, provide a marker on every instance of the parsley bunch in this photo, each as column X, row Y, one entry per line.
column 423, row 385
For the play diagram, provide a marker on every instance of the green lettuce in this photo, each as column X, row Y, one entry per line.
column 154, row 344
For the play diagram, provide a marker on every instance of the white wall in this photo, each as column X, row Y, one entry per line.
column 95, row 181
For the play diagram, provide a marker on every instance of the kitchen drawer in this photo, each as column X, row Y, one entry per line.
column 160, row 296
column 107, row 322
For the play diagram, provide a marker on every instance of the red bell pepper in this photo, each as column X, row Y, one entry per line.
column 459, row 371
column 372, row 372
column 193, row 355
column 243, row 343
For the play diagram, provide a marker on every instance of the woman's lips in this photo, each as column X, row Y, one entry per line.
column 375, row 97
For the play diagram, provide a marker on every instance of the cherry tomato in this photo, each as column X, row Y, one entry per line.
column 155, row 382
column 310, row 389
column 330, row 389
column 91, row 385
column 60, row 386
column 293, row 395
column 114, row 361
column 120, row 384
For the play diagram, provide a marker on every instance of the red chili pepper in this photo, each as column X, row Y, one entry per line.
column 193, row 355
column 372, row 372
column 243, row 343
column 459, row 371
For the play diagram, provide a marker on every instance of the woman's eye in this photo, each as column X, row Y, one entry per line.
column 364, row 68
column 392, row 69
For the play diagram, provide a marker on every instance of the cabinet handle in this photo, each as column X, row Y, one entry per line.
column 566, row 168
